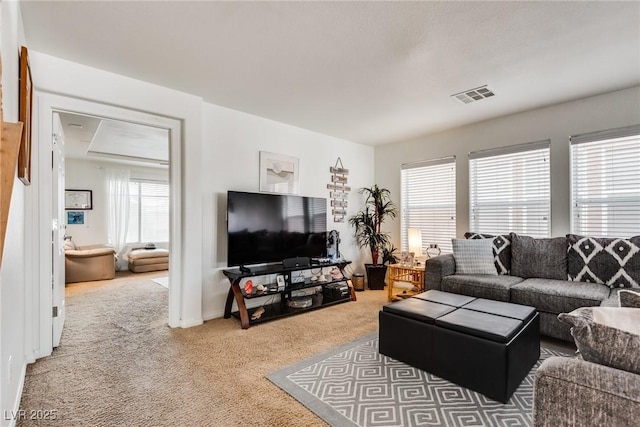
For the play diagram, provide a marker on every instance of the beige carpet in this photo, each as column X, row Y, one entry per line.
column 119, row 364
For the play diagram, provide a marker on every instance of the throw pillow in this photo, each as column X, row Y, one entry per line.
column 474, row 256
column 629, row 299
column 543, row 258
column 607, row 335
column 614, row 262
column 501, row 250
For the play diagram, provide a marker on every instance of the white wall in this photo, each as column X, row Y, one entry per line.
column 83, row 174
column 65, row 78
column 231, row 162
column 556, row 123
column 13, row 325
column 221, row 152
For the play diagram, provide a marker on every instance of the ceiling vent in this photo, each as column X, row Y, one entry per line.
column 473, row 95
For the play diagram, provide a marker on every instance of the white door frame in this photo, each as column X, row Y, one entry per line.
column 39, row 205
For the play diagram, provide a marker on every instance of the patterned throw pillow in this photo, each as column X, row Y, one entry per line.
column 607, row 335
column 614, row 262
column 501, row 250
column 473, row 256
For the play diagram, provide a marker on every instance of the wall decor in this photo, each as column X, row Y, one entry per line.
column 26, row 97
column 78, row 199
column 339, row 191
column 278, row 173
column 75, row 218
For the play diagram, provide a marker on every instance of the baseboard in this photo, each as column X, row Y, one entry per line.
column 16, row 405
column 212, row 315
column 191, row 323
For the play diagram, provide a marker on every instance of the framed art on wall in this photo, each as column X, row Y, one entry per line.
column 278, row 173
column 78, row 199
column 26, row 97
column 75, row 218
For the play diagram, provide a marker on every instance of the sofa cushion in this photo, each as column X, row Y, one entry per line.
column 492, row 287
column 147, row 253
column 473, row 256
column 543, row 258
column 558, row 296
column 501, row 250
column 615, row 262
column 607, row 335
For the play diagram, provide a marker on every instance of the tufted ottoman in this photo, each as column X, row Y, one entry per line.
column 483, row 345
column 143, row 260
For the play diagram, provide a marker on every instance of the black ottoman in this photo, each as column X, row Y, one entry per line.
column 486, row 346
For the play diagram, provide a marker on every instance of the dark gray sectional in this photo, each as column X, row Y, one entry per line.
column 541, row 289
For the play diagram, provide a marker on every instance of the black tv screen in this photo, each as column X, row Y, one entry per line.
column 265, row 228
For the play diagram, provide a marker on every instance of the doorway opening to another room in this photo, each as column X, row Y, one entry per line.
column 125, row 166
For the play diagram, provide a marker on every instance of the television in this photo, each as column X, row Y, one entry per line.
column 268, row 228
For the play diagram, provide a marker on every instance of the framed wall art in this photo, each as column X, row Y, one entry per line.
column 26, row 97
column 78, row 199
column 278, row 173
column 75, row 218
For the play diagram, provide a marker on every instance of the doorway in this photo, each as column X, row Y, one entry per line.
column 40, row 203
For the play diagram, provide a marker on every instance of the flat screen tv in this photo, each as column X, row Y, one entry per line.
column 267, row 228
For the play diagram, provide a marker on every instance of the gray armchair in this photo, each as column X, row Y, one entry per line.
column 573, row 392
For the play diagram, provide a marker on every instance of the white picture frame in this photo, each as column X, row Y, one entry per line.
column 279, row 173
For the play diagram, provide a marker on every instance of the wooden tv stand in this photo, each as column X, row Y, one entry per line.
column 279, row 308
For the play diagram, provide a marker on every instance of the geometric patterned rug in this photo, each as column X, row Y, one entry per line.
column 354, row 385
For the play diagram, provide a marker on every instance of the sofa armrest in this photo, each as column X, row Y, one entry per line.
column 437, row 268
column 89, row 253
column 572, row 392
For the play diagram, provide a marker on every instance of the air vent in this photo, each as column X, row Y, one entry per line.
column 473, row 95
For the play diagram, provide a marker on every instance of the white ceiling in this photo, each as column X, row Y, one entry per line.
column 370, row 72
column 114, row 141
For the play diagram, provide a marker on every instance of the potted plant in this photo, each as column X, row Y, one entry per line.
column 368, row 223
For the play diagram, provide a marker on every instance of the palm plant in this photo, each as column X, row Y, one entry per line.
column 368, row 222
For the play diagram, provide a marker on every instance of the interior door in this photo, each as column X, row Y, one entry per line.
column 58, row 229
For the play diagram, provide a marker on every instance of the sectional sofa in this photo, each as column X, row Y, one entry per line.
column 554, row 275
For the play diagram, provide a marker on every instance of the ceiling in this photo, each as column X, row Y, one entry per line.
column 369, row 72
column 114, row 141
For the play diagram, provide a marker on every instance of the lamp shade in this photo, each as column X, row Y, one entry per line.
column 414, row 236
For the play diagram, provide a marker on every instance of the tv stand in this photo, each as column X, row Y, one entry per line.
column 292, row 283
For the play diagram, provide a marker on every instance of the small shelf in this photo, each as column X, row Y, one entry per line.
column 280, row 309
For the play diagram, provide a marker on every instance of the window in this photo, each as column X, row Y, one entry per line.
column 605, row 183
column 148, row 212
column 428, row 202
column 510, row 190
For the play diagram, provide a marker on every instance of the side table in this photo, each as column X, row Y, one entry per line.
column 402, row 273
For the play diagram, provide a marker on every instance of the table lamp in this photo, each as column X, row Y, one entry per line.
column 414, row 236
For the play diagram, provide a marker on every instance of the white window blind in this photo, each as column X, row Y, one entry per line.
column 605, row 183
column 428, row 202
column 149, row 212
column 510, row 190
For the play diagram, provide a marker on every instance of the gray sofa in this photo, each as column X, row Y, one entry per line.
column 532, row 272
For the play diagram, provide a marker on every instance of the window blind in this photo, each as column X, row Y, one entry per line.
column 605, row 183
column 510, row 190
column 149, row 212
column 428, row 202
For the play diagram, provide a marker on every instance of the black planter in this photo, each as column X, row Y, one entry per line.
column 375, row 276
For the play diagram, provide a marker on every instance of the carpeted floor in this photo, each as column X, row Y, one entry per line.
column 119, row 364
column 355, row 386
